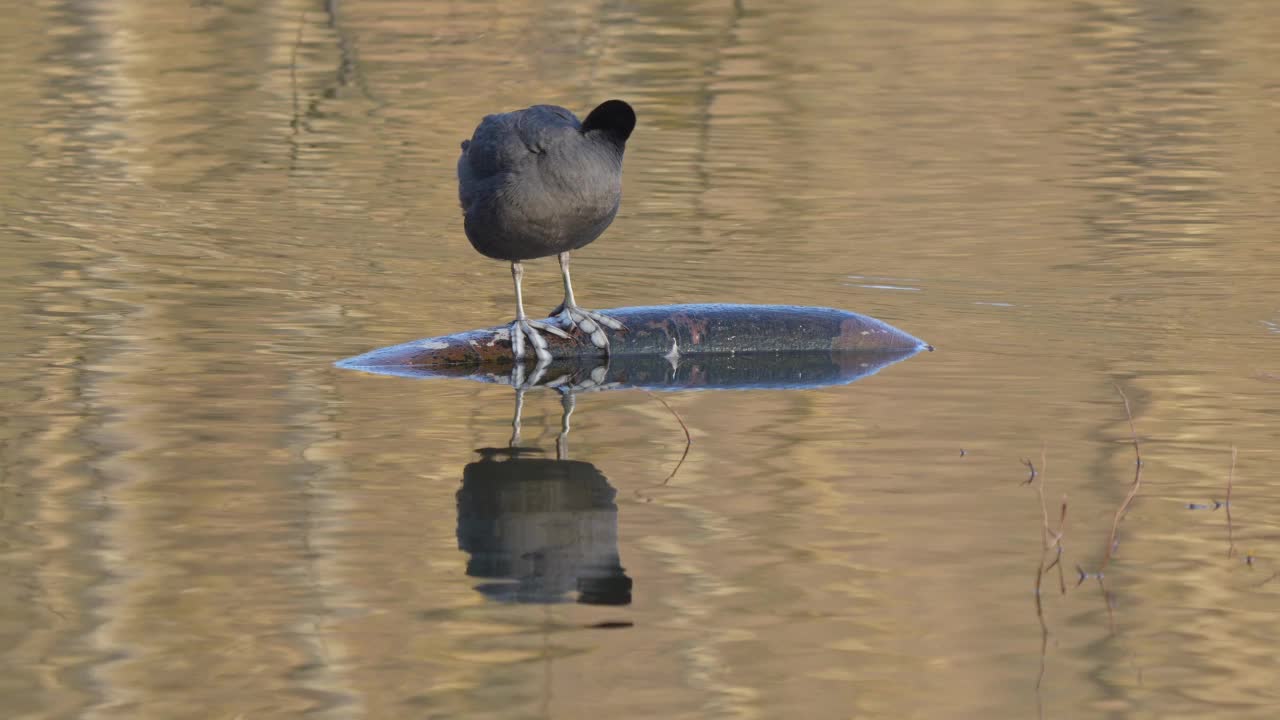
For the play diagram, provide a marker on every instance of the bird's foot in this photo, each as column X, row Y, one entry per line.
column 588, row 322
column 524, row 328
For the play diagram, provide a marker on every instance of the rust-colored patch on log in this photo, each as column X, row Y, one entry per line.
column 681, row 326
column 697, row 331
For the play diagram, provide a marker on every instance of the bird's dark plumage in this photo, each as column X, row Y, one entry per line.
column 538, row 182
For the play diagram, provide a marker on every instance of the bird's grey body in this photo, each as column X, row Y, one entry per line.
column 533, row 184
column 537, row 182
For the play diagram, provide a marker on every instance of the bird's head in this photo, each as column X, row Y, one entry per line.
column 612, row 120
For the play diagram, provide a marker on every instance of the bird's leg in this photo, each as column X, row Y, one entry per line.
column 589, row 322
column 524, row 327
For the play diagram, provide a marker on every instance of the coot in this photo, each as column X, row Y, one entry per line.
column 537, row 182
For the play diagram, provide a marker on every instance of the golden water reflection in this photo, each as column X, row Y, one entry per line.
column 206, row 204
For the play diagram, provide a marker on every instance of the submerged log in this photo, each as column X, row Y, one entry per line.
column 670, row 332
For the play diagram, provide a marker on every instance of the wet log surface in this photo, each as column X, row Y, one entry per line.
column 668, row 334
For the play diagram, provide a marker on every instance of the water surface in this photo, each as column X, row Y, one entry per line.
column 207, row 204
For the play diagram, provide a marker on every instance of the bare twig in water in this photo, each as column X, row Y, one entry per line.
column 1133, row 488
column 1231, row 541
column 1050, row 540
column 1044, row 628
column 1133, row 432
column 1057, row 542
column 688, row 437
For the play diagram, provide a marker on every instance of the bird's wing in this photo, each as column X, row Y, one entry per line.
column 541, row 126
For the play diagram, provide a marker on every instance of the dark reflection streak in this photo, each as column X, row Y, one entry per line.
column 547, row 680
column 1108, row 597
column 1136, row 134
column 1231, row 541
column 1109, row 600
column 708, row 97
column 1147, row 114
column 348, row 69
column 348, row 65
column 296, row 122
column 310, row 433
column 72, row 574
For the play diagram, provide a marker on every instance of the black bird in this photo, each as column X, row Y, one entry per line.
column 536, row 182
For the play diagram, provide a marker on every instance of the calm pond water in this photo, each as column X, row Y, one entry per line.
column 206, row 204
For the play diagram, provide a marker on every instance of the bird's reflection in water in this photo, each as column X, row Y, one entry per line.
column 541, row 530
